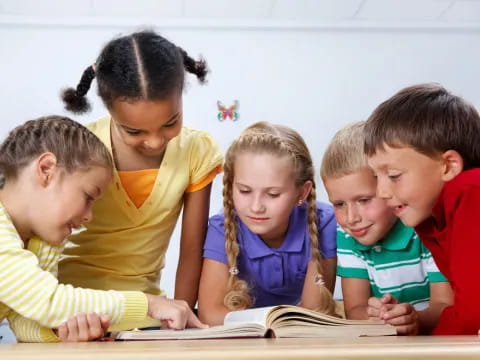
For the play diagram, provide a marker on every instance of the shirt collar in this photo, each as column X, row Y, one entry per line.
column 397, row 238
column 295, row 237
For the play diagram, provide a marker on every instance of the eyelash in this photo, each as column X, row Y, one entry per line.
column 132, row 132
column 394, row 177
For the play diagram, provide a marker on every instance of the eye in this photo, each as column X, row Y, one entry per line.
column 243, row 191
column 364, row 200
column 394, row 177
column 132, row 132
column 338, row 204
column 274, row 195
column 171, row 124
column 89, row 197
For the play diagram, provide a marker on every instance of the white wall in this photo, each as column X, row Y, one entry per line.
column 314, row 80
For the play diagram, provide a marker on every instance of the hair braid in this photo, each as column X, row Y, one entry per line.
column 75, row 99
column 196, row 67
column 237, row 296
column 327, row 304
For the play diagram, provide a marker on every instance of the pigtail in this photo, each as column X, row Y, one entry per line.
column 74, row 99
column 327, row 304
column 237, row 296
column 198, row 68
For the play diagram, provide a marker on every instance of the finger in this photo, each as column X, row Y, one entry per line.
column 402, row 320
column 194, row 322
column 398, row 310
column 178, row 320
column 374, row 302
column 373, row 312
column 388, row 299
column 72, row 329
column 104, row 322
column 62, row 332
column 83, row 327
column 94, row 329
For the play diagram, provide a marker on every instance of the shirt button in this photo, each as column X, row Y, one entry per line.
column 377, row 249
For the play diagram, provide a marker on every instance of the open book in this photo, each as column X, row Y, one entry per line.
column 276, row 321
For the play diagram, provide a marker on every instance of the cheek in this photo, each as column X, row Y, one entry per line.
column 173, row 132
column 340, row 217
column 377, row 211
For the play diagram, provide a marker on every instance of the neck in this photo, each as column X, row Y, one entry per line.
column 12, row 198
column 275, row 240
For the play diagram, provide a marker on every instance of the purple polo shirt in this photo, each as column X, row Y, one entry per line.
column 276, row 276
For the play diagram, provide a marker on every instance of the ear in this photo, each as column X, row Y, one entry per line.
column 453, row 163
column 46, row 168
column 305, row 190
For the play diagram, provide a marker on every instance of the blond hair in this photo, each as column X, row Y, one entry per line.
column 280, row 141
column 345, row 153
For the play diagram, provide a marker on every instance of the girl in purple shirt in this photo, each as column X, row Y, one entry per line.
column 274, row 243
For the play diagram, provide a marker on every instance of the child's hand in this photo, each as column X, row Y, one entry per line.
column 378, row 306
column 83, row 327
column 404, row 317
column 175, row 314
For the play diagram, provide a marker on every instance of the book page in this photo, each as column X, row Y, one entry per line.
column 214, row 332
column 251, row 316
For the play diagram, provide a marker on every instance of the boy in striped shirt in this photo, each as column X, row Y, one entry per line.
column 386, row 271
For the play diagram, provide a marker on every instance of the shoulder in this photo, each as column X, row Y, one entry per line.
column 99, row 126
column 325, row 214
column 189, row 137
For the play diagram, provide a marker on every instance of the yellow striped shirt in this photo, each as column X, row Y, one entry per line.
column 33, row 300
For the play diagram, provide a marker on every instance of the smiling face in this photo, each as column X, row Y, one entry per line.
column 409, row 181
column 147, row 126
column 264, row 194
column 358, row 211
column 67, row 202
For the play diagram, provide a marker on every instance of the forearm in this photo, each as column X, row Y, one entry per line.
column 357, row 312
column 187, row 280
column 213, row 315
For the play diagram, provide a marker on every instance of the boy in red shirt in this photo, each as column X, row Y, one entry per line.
column 423, row 144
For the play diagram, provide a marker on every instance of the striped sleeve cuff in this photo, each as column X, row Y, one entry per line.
column 48, row 335
column 436, row 277
column 134, row 311
column 352, row 272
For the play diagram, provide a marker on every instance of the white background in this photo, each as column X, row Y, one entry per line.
column 281, row 62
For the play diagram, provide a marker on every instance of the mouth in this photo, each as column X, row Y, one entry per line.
column 398, row 209
column 361, row 231
column 257, row 219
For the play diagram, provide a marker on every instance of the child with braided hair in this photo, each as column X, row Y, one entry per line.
column 160, row 168
column 52, row 170
column 274, row 243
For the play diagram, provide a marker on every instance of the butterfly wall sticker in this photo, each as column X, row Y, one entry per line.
column 227, row 112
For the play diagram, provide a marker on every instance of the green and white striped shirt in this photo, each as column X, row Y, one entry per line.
column 399, row 265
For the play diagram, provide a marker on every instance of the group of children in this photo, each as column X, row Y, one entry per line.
column 87, row 213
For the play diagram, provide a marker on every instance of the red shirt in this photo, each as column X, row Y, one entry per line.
column 453, row 236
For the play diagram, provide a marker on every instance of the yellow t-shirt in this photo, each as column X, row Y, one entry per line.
column 124, row 246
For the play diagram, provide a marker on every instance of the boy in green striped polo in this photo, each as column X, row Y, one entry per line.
column 386, row 271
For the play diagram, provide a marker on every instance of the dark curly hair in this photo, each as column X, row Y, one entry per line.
column 140, row 66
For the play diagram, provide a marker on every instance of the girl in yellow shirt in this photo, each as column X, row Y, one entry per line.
column 52, row 170
column 160, row 167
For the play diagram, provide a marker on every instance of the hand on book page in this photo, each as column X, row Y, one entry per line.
column 276, row 321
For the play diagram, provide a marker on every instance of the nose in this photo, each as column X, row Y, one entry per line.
column 154, row 142
column 257, row 205
column 87, row 217
column 352, row 214
column 383, row 189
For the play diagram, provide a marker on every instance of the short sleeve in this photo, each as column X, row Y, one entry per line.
column 205, row 159
column 327, row 229
column 214, row 247
column 433, row 273
column 350, row 264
